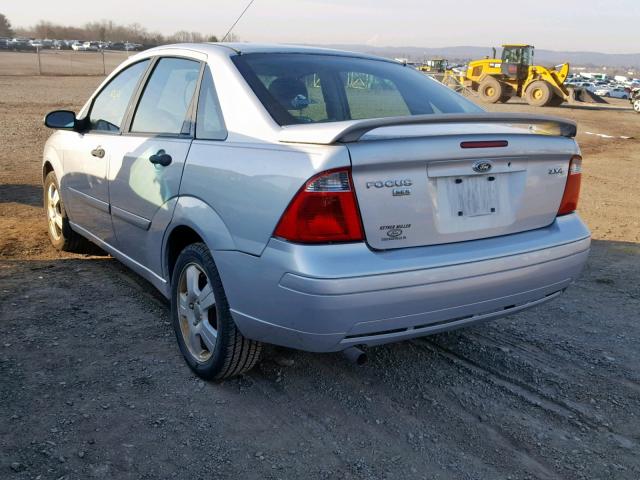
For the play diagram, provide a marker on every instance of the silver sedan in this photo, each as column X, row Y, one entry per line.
column 311, row 198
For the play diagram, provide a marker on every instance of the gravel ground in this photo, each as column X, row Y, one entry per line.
column 93, row 384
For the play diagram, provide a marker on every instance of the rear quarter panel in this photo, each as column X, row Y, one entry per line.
column 249, row 185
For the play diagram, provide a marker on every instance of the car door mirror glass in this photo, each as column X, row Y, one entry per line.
column 61, row 119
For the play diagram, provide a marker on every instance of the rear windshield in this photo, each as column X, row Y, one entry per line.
column 312, row 88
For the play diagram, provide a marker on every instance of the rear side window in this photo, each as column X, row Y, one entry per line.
column 310, row 88
column 110, row 105
column 167, row 97
column 209, row 121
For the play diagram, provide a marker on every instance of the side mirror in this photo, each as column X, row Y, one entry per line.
column 60, row 119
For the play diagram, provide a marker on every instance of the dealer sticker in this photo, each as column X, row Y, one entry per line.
column 394, row 232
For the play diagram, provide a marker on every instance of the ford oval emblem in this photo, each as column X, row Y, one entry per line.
column 482, row 166
column 396, row 232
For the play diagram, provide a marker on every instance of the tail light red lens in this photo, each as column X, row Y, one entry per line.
column 324, row 210
column 569, row 201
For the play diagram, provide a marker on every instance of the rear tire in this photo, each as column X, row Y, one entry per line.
column 539, row 94
column 208, row 338
column 490, row 90
column 61, row 235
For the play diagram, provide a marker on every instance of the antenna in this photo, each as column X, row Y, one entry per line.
column 237, row 20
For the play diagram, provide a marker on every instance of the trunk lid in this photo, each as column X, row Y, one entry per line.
column 416, row 186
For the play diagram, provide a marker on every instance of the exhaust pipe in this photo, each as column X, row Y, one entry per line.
column 355, row 355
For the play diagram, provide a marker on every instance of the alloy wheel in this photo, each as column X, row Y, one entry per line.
column 197, row 312
column 54, row 211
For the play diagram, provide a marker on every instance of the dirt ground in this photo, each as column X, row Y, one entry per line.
column 93, row 385
column 60, row 62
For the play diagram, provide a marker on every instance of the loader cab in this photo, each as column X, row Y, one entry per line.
column 438, row 65
column 516, row 60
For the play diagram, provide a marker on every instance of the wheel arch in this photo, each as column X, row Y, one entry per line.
column 51, row 162
column 194, row 221
column 47, row 167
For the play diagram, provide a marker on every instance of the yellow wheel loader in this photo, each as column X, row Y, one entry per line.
column 436, row 65
column 497, row 80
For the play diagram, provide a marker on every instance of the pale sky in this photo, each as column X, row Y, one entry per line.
column 611, row 26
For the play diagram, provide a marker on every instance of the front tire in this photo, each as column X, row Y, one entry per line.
column 539, row 94
column 61, row 235
column 490, row 90
column 208, row 338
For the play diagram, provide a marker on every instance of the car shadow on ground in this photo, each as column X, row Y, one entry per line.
column 25, row 194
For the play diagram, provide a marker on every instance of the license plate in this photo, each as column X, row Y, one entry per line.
column 472, row 196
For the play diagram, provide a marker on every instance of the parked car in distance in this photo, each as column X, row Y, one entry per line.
column 20, row 45
column 62, row 44
column 4, row 43
column 85, row 46
column 91, row 46
column 117, row 46
column 615, row 92
column 132, row 46
column 313, row 198
column 586, row 85
column 589, row 86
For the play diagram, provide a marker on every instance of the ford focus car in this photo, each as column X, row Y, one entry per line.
column 315, row 199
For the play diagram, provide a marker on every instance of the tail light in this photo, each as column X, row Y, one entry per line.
column 572, row 188
column 324, row 210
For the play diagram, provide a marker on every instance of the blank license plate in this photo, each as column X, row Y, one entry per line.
column 473, row 195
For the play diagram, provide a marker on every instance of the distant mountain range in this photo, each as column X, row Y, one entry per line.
column 622, row 61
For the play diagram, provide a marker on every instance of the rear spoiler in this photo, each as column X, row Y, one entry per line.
column 353, row 130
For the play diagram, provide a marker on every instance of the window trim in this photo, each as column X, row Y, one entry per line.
column 135, row 101
column 199, row 103
column 87, row 118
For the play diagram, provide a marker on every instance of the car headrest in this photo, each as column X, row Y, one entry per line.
column 291, row 93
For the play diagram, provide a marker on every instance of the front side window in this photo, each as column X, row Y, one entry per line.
column 110, row 105
column 311, row 88
column 166, row 99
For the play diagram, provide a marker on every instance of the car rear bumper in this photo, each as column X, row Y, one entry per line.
column 330, row 297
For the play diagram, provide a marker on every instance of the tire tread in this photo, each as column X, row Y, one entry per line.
column 240, row 354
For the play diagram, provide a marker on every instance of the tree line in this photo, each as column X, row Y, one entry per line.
column 104, row 30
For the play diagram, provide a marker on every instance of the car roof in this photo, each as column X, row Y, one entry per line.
column 246, row 48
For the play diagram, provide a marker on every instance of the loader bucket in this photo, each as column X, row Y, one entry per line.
column 583, row 95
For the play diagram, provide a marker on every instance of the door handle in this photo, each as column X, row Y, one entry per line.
column 98, row 152
column 161, row 158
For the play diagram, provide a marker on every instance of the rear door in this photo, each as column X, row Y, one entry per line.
column 424, row 185
column 146, row 167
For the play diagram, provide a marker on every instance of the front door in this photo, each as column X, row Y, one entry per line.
column 87, row 155
column 146, row 166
